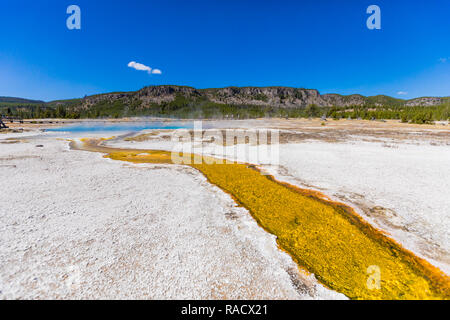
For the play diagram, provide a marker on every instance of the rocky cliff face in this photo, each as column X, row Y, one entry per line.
column 158, row 94
column 281, row 97
column 104, row 98
column 270, row 96
column 426, row 101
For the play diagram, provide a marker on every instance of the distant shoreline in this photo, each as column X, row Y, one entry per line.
column 329, row 123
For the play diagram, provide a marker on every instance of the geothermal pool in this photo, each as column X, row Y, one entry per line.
column 101, row 126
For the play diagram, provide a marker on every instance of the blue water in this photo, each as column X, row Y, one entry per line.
column 129, row 126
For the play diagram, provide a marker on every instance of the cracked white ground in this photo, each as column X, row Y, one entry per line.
column 76, row 225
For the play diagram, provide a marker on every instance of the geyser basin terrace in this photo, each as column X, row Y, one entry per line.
column 138, row 221
column 326, row 238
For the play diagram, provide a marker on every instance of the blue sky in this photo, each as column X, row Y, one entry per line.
column 312, row 44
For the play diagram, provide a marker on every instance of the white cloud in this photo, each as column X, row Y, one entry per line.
column 443, row 60
column 402, row 93
column 139, row 66
column 142, row 67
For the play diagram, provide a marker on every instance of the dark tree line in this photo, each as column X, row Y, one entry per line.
column 181, row 107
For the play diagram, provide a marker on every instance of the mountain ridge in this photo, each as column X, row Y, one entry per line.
column 19, row 100
column 232, row 102
column 274, row 96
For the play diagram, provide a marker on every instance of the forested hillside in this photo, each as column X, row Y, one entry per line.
column 231, row 103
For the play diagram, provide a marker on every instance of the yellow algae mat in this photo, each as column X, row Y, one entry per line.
column 326, row 238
